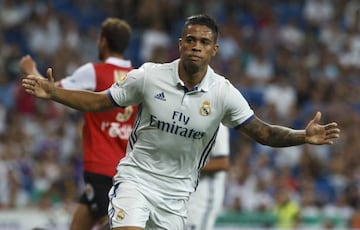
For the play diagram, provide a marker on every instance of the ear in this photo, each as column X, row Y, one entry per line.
column 102, row 42
column 215, row 49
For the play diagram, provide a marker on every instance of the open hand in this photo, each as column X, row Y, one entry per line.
column 39, row 86
column 318, row 134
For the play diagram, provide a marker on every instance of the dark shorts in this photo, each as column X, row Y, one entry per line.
column 96, row 193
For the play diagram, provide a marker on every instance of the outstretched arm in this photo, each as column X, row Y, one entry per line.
column 78, row 99
column 280, row 136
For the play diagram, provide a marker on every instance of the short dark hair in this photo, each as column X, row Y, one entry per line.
column 203, row 19
column 117, row 33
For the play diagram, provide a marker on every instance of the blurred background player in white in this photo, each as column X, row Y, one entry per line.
column 105, row 135
column 207, row 201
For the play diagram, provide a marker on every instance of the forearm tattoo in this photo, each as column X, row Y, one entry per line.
column 273, row 135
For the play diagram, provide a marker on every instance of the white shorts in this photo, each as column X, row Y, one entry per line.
column 206, row 202
column 139, row 207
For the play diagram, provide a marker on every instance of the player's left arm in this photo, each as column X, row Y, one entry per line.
column 280, row 136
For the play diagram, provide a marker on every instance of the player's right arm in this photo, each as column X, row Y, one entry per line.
column 78, row 99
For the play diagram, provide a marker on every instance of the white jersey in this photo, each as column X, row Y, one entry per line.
column 85, row 77
column 222, row 144
column 176, row 128
column 207, row 201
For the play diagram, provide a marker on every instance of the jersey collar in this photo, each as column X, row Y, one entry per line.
column 202, row 86
column 118, row 62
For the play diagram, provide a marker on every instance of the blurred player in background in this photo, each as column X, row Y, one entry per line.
column 105, row 135
column 181, row 105
column 207, row 201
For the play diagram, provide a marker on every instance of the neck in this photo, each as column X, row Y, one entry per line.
column 116, row 55
column 191, row 79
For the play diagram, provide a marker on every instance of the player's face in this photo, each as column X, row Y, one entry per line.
column 197, row 46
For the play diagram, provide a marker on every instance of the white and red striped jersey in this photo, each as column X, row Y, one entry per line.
column 105, row 134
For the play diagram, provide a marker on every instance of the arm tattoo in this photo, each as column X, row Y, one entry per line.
column 273, row 135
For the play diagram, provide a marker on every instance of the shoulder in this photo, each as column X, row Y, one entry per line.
column 157, row 66
column 86, row 66
column 152, row 68
column 84, row 70
column 218, row 80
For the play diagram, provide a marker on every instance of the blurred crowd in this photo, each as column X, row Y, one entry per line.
column 289, row 58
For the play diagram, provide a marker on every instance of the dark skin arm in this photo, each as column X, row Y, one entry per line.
column 78, row 99
column 280, row 136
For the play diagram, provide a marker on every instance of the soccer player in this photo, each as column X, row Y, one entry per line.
column 105, row 135
column 181, row 105
column 207, row 201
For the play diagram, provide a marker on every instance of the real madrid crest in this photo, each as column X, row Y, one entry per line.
column 120, row 214
column 205, row 108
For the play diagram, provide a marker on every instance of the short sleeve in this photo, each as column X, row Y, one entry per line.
column 130, row 90
column 83, row 78
column 237, row 109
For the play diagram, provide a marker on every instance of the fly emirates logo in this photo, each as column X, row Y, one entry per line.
column 177, row 126
column 114, row 129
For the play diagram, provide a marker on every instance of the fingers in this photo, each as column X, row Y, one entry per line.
column 317, row 117
column 49, row 74
column 332, row 136
column 331, row 132
column 30, row 81
column 315, row 120
column 29, row 85
column 329, row 142
column 330, row 125
column 30, row 77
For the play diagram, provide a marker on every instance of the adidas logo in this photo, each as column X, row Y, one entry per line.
column 160, row 96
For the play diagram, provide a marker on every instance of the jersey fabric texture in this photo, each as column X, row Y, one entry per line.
column 105, row 134
column 206, row 202
column 176, row 128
